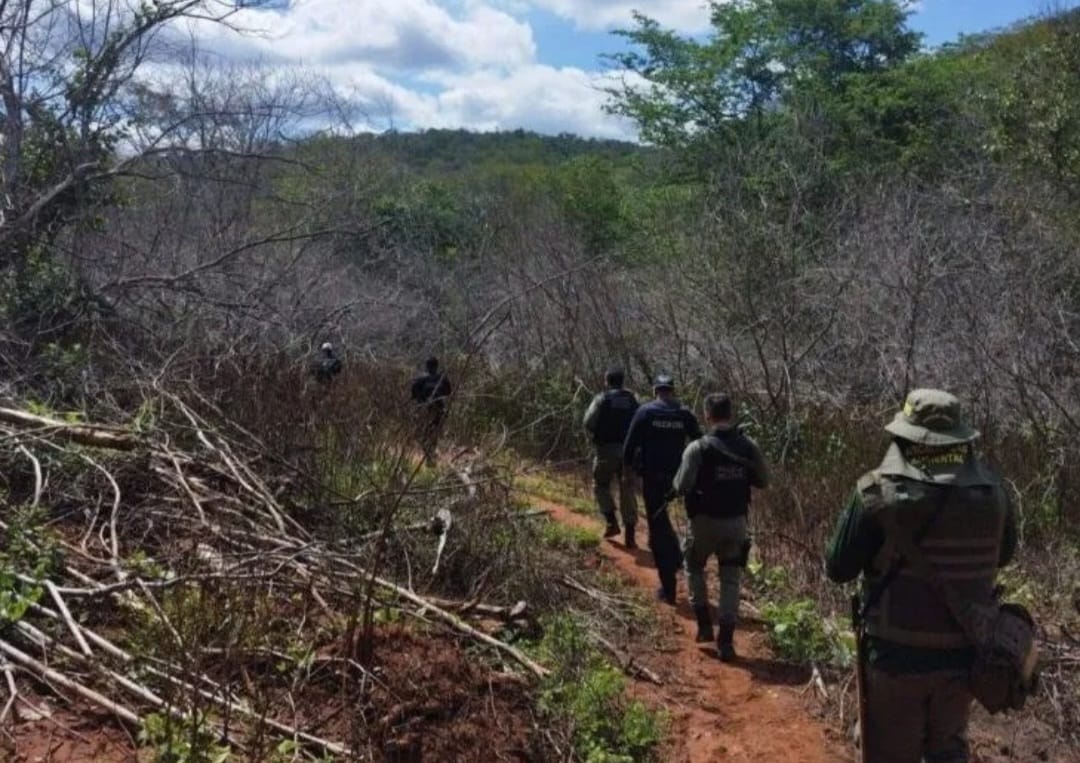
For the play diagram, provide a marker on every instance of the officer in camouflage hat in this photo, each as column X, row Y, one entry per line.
column 608, row 420
column 930, row 491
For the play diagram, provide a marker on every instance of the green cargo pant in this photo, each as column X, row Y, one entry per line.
column 916, row 717
column 722, row 538
column 608, row 467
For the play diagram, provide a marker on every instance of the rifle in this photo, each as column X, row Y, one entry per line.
column 858, row 624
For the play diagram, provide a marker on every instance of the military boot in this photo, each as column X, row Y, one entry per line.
column 612, row 528
column 628, row 537
column 725, row 643
column 704, row 625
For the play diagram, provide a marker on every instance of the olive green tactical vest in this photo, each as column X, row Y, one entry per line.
column 963, row 544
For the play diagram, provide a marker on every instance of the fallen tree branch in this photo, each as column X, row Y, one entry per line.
column 428, row 606
column 46, row 673
column 13, row 691
column 627, row 663
column 80, row 434
column 39, row 481
column 69, row 621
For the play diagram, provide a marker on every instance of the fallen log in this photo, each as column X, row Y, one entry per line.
column 46, row 673
column 80, row 434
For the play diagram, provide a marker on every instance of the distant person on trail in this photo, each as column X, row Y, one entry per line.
column 608, row 420
column 716, row 477
column 430, row 391
column 931, row 517
column 326, row 364
column 654, row 445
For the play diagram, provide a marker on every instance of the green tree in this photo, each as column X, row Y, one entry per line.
column 759, row 53
column 1038, row 109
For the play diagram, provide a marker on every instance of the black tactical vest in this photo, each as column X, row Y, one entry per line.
column 963, row 544
column 723, row 481
column 616, row 412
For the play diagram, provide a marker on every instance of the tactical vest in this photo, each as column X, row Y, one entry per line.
column 723, row 483
column 963, row 544
column 617, row 409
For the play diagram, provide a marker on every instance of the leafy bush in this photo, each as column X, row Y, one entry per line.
column 588, row 693
column 186, row 741
column 799, row 633
column 30, row 551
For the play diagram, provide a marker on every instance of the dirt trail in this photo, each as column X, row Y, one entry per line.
column 747, row 712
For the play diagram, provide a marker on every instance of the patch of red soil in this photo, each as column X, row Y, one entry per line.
column 747, row 712
column 429, row 701
column 78, row 734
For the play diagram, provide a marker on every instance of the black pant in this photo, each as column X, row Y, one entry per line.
column 663, row 542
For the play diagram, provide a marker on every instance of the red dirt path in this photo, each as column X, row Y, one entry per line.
column 747, row 712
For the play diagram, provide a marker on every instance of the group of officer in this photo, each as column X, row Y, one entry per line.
column 930, row 487
column 429, row 391
column 714, row 471
column 929, row 492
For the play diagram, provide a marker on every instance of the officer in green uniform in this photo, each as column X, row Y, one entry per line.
column 932, row 489
column 716, row 477
column 607, row 420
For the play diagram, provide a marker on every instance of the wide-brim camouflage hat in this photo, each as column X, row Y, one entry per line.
column 932, row 417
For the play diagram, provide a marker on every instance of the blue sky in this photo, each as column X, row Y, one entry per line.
column 501, row 64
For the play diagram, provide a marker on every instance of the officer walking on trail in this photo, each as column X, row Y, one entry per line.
column 927, row 529
column 431, row 391
column 608, row 420
column 658, row 434
column 326, row 364
column 716, row 476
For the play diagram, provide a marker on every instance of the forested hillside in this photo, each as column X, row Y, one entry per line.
column 821, row 215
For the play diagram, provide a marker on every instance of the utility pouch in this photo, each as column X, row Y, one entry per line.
column 1005, row 672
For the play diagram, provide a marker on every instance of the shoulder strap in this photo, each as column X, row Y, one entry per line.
column 875, row 593
column 717, row 444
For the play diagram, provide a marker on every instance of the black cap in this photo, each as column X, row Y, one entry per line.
column 663, row 381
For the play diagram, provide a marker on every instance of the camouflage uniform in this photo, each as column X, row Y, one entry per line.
column 919, row 658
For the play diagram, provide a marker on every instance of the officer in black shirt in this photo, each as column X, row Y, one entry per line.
column 326, row 364
column 654, row 445
column 431, row 392
column 608, row 420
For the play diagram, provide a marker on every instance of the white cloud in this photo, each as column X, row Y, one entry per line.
column 536, row 97
column 403, row 34
column 542, row 98
column 684, row 15
column 425, row 63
